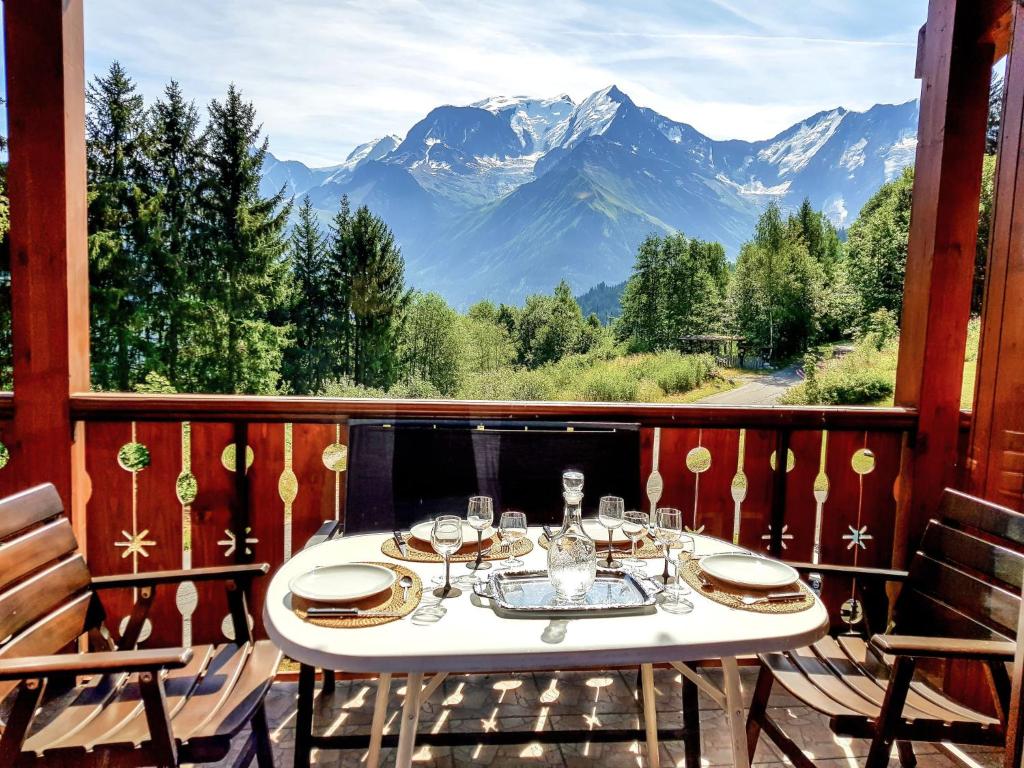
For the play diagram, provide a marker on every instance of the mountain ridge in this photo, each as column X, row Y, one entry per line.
column 503, row 197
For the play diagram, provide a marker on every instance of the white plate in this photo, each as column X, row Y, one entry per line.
column 342, row 583
column 421, row 531
column 599, row 533
column 748, row 570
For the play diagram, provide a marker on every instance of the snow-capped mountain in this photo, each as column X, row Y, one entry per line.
column 504, row 197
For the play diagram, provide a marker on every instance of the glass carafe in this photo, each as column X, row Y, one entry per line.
column 572, row 554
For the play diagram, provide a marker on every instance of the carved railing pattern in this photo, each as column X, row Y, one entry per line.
column 165, row 493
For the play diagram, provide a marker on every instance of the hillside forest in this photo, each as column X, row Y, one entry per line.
column 198, row 283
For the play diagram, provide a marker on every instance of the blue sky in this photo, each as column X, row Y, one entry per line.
column 326, row 75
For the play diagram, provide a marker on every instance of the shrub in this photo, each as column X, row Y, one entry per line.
column 677, row 373
column 415, row 389
column 345, row 387
column 611, row 384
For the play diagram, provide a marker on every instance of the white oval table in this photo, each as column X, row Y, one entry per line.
column 471, row 637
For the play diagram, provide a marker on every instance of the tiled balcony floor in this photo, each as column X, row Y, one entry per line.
column 546, row 700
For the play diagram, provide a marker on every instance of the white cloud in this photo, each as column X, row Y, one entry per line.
column 326, row 75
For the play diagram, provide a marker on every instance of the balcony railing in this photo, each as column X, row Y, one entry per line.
column 164, row 492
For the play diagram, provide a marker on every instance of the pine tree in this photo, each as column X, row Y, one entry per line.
column 308, row 363
column 175, row 153
column 120, row 217
column 242, row 276
column 339, row 274
column 378, row 299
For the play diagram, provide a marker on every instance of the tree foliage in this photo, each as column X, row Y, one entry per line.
column 432, row 344
column 677, row 288
column 775, row 288
column 242, row 275
column 310, row 361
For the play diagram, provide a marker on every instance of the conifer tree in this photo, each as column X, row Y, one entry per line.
column 378, row 299
column 340, row 271
column 120, row 216
column 308, row 363
column 175, row 153
column 242, row 276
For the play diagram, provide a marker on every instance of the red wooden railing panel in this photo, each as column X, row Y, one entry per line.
column 719, row 474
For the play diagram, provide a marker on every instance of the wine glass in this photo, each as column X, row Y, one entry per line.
column 668, row 527
column 686, row 550
column 446, row 539
column 635, row 525
column 480, row 515
column 513, row 528
column 610, row 511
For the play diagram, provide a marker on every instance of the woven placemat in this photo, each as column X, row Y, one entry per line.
column 647, row 548
column 422, row 552
column 730, row 595
column 389, row 600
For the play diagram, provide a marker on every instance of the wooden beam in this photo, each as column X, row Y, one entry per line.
column 997, row 439
column 956, row 67
column 1015, row 729
column 45, row 63
column 123, row 406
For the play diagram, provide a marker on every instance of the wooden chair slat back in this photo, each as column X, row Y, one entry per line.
column 33, row 598
column 965, row 577
column 44, row 580
column 999, row 522
column 34, row 549
column 27, row 508
column 49, row 634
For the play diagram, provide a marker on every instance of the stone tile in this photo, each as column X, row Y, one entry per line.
column 521, row 755
column 524, row 702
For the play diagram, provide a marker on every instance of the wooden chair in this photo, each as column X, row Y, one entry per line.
column 160, row 706
column 959, row 601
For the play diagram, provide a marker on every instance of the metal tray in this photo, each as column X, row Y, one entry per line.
column 531, row 592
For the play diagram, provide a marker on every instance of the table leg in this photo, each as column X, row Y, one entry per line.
column 380, row 711
column 304, row 717
column 650, row 715
column 734, row 712
column 410, row 719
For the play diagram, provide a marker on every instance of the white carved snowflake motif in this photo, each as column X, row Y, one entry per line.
column 783, row 536
column 135, row 543
column 857, row 537
column 230, row 544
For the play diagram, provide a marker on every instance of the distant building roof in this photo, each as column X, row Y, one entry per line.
column 711, row 337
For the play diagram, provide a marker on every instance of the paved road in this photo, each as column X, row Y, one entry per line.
column 762, row 390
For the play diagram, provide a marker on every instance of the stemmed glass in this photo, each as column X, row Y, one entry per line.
column 635, row 525
column 610, row 513
column 513, row 528
column 479, row 515
column 668, row 527
column 686, row 550
column 675, row 602
column 446, row 539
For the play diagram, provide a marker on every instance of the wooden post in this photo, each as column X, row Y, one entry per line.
column 996, row 453
column 45, row 64
column 1015, row 729
column 955, row 66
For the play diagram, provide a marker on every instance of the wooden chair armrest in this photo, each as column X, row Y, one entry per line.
column 944, row 647
column 243, row 572
column 27, row 667
column 884, row 574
